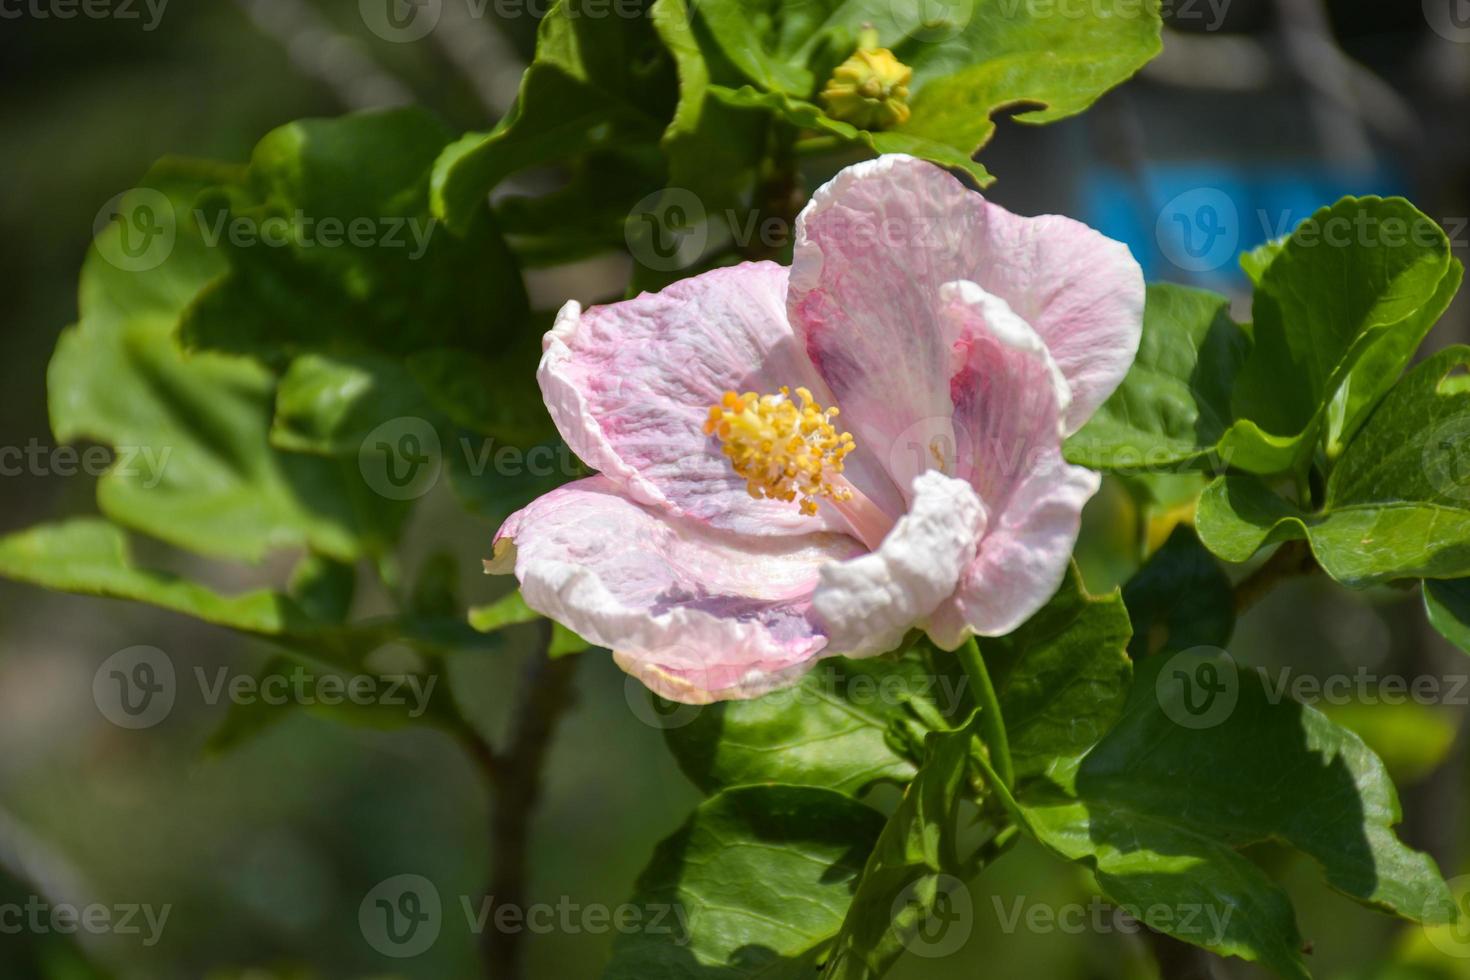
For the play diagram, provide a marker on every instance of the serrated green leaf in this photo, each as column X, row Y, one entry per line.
column 829, row 729
column 1180, row 598
column 1159, row 806
column 755, row 884
column 1397, row 502
column 1062, row 677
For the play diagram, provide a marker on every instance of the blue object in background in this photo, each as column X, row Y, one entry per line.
column 1190, row 222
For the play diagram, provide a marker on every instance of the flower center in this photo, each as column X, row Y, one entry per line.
column 784, row 451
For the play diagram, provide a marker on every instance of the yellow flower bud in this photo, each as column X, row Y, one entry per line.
column 870, row 89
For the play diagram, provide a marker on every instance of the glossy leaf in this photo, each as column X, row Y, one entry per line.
column 829, row 729
column 1159, row 807
column 192, row 464
column 1448, row 606
column 1174, row 405
column 911, row 866
column 1397, row 503
column 1345, row 301
column 596, row 79
column 1180, row 598
column 1062, row 677
column 326, row 250
column 755, row 884
column 968, row 62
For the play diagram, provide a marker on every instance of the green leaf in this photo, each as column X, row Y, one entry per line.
column 971, row 62
column 1397, row 503
column 323, row 588
column 330, row 243
column 1411, row 738
column 1062, row 677
column 596, row 80
column 829, row 729
column 1345, row 301
column 1180, row 598
column 713, row 147
column 192, row 462
column 755, row 884
column 91, row 557
column 1255, row 262
column 88, row 556
column 329, row 404
column 511, row 610
column 1159, row 807
column 1173, row 407
column 910, row 872
column 193, row 465
column 1448, row 606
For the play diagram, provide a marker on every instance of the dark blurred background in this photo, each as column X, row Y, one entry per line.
column 1259, row 111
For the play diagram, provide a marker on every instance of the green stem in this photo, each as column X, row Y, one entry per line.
column 992, row 726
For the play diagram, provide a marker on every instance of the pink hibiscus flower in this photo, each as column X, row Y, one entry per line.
column 740, row 528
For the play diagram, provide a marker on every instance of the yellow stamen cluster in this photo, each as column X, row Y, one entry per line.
column 784, row 451
column 870, row 89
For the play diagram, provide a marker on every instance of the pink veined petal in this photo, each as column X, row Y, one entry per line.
column 720, row 682
column 629, row 386
column 863, row 297
column 669, row 595
column 885, row 234
column 1009, row 403
column 868, row 604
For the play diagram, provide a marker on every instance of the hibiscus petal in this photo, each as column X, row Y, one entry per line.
column 869, row 603
column 1010, row 400
column 885, row 234
column 669, row 596
column 629, row 386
